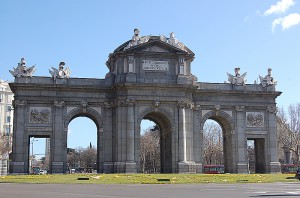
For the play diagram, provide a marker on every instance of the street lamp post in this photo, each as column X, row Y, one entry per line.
column 31, row 142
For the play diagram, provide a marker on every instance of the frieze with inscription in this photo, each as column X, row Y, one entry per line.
column 150, row 65
column 255, row 119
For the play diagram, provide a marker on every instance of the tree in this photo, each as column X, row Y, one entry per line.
column 288, row 129
column 82, row 158
column 150, row 151
column 5, row 147
column 89, row 158
column 213, row 143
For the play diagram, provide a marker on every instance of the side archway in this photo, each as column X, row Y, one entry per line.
column 227, row 125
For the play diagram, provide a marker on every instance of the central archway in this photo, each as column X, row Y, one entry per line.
column 96, row 118
column 164, row 125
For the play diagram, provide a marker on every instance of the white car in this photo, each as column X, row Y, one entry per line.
column 43, row 172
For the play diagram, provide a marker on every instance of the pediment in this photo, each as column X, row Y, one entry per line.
column 157, row 47
column 154, row 44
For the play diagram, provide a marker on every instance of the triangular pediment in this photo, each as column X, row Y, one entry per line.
column 156, row 45
column 155, row 48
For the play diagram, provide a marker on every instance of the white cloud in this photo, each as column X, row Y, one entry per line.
column 287, row 21
column 279, row 7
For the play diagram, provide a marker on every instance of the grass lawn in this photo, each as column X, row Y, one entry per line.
column 147, row 178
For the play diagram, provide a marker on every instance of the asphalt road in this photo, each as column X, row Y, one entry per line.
column 277, row 190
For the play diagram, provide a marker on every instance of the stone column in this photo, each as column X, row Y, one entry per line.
column 119, row 141
column 182, row 133
column 58, row 148
column 272, row 140
column 20, row 162
column 286, row 154
column 107, row 138
column 242, row 164
column 130, row 163
column 197, row 140
column 185, row 163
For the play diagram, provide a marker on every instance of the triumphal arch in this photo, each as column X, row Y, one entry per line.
column 149, row 78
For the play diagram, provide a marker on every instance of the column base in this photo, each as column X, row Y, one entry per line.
column 119, row 167
column 199, row 167
column 108, row 167
column 130, row 167
column 17, row 168
column 242, row 168
column 187, row 167
column 275, row 167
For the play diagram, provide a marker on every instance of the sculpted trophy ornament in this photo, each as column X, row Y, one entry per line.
column 60, row 72
column 173, row 41
column 268, row 79
column 136, row 39
column 237, row 79
column 21, row 70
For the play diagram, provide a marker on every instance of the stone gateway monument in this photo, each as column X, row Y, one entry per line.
column 149, row 78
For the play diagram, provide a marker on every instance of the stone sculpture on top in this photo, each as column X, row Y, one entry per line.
column 60, row 72
column 268, row 79
column 237, row 79
column 21, row 70
column 136, row 39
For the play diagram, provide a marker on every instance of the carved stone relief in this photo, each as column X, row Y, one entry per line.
column 84, row 105
column 255, row 119
column 39, row 115
column 155, row 105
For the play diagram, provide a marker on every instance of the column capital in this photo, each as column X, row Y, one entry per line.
column 272, row 109
column 124, row 102
column 19, row 103
column 185, row 104
column 59, row 104
column 240, row 108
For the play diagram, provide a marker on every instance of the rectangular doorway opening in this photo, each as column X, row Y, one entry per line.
column 39, row 155
column 256, row 155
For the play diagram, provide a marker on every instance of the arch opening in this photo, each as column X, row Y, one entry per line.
column 82, row 145
column 158, row 130
column 221, row 135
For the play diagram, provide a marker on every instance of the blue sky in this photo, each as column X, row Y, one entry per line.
column 250, row 34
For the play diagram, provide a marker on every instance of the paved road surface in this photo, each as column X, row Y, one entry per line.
column 277, row 190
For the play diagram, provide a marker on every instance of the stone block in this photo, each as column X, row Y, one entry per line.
column 186, row 167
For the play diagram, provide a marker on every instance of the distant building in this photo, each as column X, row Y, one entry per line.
column 6, row 125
